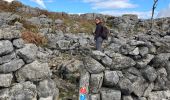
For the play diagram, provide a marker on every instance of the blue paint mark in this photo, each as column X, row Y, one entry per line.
column 82, row 97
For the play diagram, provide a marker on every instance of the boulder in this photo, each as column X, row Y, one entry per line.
column 9, row 35
column 110, row 94
column 23, row 91
column 107, row 61
column 111, row 78
column 148, row 90
column 125, row 86
column 34, row 71
column 121, row 62
column 7, row 58
column 139, row 86
column 18, row 43
column 142, row 63
column 159, row 95
column 4, row 94
column 94, row 97
column 93, row 66
column 143, row 51
column 6, row 80
column 127, row 98
column 6, row 47
column 150, row 74
column 134, row 52
column 96, row 81
column 11, row 66
column 28, row 53
column 47, row 88
column 160, row 59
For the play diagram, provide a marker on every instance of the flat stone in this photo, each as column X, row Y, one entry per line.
column 6, row 80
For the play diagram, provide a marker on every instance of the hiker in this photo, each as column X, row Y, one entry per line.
column 99, row 35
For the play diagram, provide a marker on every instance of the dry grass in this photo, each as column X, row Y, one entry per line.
column 35, row 38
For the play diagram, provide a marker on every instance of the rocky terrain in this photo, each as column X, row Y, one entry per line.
column 46, row 58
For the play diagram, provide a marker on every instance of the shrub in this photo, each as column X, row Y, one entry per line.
column 35, row 38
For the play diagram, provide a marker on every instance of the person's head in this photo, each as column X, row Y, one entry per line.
column 98, row 20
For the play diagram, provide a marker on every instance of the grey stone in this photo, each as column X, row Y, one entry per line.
column 63, row 44
column 84, row 80
column 11, row 66
column 130, row 76
column 143, row 51
column 127, row 98
column 114, row 47
column 18, row 43
column 45, row 21
column 47, row 88
column 148, row 90
column 73, row 66
column 7, row 58
column 110, row 94
column 6, row 80
column 4, row 94
column 150, row 74
column 139, row 86
column 141, row 98
column 34, row 20
column 106, row 61
column 125, row 86
column 109, row 53
column 111, row 78
column 134, row 71
column 9, row 35
column 6, row 47
column 125, row 49
column 121, row 62
column 18, row 25
column 160, row 59
column 159, row 95
column 34, row 71
column 136, row 43
column 98, row 55
column 52, row 41
column 167, row 67
column 96, row 82
column 47, row 98
column 45, row 31
column 59, row 21
column 23, row 91
column 83, row 42
column 134, row 52
column 28, row 53
column 161, row 81
column 162, row 72
column 144, row 61
column 93, row 66
column 94, row 97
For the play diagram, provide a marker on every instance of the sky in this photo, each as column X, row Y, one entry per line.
column 111, row 7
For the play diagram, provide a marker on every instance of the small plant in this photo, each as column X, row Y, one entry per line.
column 35, row 38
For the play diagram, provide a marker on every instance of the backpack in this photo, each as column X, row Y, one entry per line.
column 105, row 32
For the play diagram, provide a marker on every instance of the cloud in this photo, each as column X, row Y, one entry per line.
column 164, row 12
column 9, row 0
column 40, row 2
column 113, row 4
column 49, row 1
column 110, row 4
column 142, row 15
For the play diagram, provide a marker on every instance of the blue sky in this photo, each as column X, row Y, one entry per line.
column 112, row 7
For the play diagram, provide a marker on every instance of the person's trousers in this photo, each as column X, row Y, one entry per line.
column 99, row 41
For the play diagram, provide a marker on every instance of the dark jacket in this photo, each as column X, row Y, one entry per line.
column 98, row 30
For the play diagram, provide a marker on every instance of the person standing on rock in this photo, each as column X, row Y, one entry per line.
column 97, row 34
